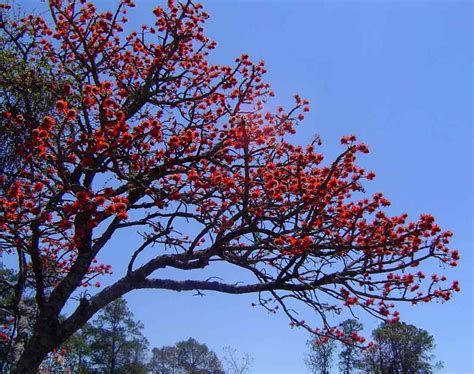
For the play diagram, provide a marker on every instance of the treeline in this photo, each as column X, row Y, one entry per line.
column 396, row 348
column 114, row 343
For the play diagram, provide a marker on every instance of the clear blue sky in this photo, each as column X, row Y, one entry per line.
column 398, row 74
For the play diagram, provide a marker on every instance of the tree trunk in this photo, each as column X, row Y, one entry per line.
column 43, row 341
column 22, row 333
column 32, row 357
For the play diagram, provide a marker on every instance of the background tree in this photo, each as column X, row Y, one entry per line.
column 321, row 355
column 197, row 358
column 78, row 350
column 400, row 349
column 164, row 360
column 138, row 356
column 117, row 344
column 235, row 363
column 349, row 356
column 148, row 135
column 186, row 357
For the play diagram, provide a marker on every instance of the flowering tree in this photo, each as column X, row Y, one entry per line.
column 146, row 134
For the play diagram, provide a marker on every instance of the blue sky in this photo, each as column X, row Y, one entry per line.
column 398, row 74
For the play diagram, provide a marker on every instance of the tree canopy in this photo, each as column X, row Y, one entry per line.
column 146, row 134
column 112, row 343
column 397, row 348
column 400, row 349
column 349, row 356
column 321, row 355
column 186, row 357
column 117, row 343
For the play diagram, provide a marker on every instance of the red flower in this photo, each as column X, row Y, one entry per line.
column 107, row 85
column 48, row 123
column 122, row 215
column 71, row 114
column 61, row 105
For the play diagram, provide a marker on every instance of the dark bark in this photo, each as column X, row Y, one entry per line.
column 43, row 341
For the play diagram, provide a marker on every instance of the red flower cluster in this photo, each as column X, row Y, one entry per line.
column 159, row 138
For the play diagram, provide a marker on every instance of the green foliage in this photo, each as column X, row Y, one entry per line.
column 118, row 342
column 320, row 357
column 186, row 357
column 79, row 349
column 113, row 343
column 349, row 356
column 400, row 348
column 164, row 360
